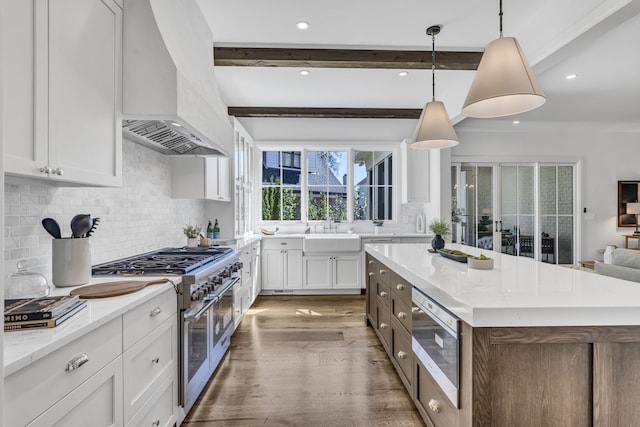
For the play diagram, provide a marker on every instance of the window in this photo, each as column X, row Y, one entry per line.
column 373, row 179
column 317, row 185
column 280, row 186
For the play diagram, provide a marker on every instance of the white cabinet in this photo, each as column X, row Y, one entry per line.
column 416, row 175
column 256, row 268
column 243, row 183
column 242, row 298
column 328, row 272
column 62, row 98
column 200, row 178
column 282, row 263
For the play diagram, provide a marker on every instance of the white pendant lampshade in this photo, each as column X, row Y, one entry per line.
column 434, row 128
column 504, row 83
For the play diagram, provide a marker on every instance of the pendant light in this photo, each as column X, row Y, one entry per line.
column 504, row 83
column 434, row 128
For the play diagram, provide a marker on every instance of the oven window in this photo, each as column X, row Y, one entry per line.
column 197, row 339
column 437, row 342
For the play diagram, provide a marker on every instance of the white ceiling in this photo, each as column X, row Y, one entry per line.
column 592, row 38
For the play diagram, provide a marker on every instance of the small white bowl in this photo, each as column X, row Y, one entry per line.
column 480, row 264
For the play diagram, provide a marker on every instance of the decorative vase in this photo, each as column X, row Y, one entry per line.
column 192, row 242
column 437, row 242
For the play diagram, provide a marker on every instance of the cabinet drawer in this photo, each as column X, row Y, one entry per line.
column 400, row 288
column 98, row 399
column 402, row 352
column 30, row 391
column 146, row 362
column 160, row 410
column 282, row 243
column 432, row 400
column 401, row 311
column 382, row 290
column 384, row 274
column 142, row 319
column 384, row 325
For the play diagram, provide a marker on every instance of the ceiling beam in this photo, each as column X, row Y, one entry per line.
column 326, row 113
column 344, row 58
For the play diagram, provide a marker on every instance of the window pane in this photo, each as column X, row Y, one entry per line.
column 565, row 190
column 338, row 203
column 271, row 167
column 271, row 203
column 509, row 190
column 361, row 203
column 390, row 171
column 362, row 164
column 525, row 189
column 290, row 203
column 317, row 209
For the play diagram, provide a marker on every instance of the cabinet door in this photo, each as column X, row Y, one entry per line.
column 224, row 182
column 217, row 186
column 273, row 269
column 256, row 281
column 85, row 134
column 294, row 269
column 318, row 272
column 346, row 271
column 99, row 399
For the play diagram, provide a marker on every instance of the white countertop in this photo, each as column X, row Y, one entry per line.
column 24, row 347
column 517, row 292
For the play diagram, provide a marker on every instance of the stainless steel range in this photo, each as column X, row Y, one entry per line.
column 205, row 305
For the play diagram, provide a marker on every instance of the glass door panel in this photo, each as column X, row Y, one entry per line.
column 517, row 223
column 476, row 205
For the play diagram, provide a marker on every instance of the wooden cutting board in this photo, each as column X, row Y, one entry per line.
column 113, row 289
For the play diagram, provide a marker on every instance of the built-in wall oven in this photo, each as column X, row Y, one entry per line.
column 435, row 340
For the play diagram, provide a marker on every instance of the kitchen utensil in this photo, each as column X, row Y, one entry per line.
column 80, row 225
column 93, row 227
column 71, row 264
column 52, row 227
column 113, row 289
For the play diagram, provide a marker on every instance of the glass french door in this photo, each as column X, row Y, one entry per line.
column 517, row 209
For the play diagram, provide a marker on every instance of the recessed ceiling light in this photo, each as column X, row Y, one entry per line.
column 302, row 25
column 516, row 122
column 403, row 73
column 304, row 72
column 571, row 76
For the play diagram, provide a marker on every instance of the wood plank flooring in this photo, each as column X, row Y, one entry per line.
column 305, row 361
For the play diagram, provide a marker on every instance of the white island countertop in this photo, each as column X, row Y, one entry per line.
column 24, row 347
column 517, row 292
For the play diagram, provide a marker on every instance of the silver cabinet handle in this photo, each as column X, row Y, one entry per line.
column 383, row 326
column 155, row 422
column 383, row 294
column 434, row 405
column 283, row 243
column 57, row 171
column 45, row 169
column 155, row 312
column 400, row 287
column 77, row 362
column 155, row 360
column 402, row 315
column 402, row 355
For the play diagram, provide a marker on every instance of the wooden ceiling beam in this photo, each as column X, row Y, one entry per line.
column 324, row 113
column 344, row 58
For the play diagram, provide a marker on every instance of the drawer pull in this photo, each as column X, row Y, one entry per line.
column 370, row 261
column 402, row 315
column 383, row 326
column 155, row 360
column 155, row 311
column 434, row 405
column 400, row 287
column 402, row 355
column 371, row 274
column 283, row 243
column 383, row 271
column 155, row 422
column 383, row 294
column 77, row 362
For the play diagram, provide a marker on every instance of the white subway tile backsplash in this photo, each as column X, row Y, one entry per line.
column 138, row 217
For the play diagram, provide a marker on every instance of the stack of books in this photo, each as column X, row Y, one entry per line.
column 42, row 312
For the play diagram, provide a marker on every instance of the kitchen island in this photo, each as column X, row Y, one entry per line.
column 539, row 344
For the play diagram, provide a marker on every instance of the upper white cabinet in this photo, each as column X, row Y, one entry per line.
column 62, row 90
column 243, row 182
column 200, row 178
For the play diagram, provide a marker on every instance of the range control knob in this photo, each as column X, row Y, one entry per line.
column 240, row 266
column 194, row 296
column 218, row 280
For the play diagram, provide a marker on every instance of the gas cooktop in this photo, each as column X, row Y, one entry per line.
column 175, row 261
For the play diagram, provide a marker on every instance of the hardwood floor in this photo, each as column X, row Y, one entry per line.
column 305, row 361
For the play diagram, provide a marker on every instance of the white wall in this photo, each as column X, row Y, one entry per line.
column 138, row 217
column 605, row 158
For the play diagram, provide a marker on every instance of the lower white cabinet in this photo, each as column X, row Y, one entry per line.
column 159, row 411
column 281, row 269
column 97, row 402
column 329, row 272
column 256, row 268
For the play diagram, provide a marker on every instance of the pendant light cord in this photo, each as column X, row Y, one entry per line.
column 500, row 18
column 433, row 66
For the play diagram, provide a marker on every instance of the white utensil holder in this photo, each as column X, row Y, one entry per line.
column 71, row 261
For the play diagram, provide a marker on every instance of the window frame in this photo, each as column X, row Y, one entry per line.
column 350, row 149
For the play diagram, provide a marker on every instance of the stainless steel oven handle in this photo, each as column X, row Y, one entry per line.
column 194, row 317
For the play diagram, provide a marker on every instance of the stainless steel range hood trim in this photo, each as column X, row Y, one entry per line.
column 168, row 77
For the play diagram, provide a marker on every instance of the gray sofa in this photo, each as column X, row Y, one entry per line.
column 625, row 264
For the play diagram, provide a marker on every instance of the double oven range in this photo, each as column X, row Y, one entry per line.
column 205, row 305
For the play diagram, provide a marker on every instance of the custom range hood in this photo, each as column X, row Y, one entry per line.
column 170, row 98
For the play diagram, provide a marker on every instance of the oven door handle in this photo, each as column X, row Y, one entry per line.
column 194, row 317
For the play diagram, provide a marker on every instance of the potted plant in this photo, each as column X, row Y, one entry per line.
column 439, row 228
column 193, row 233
